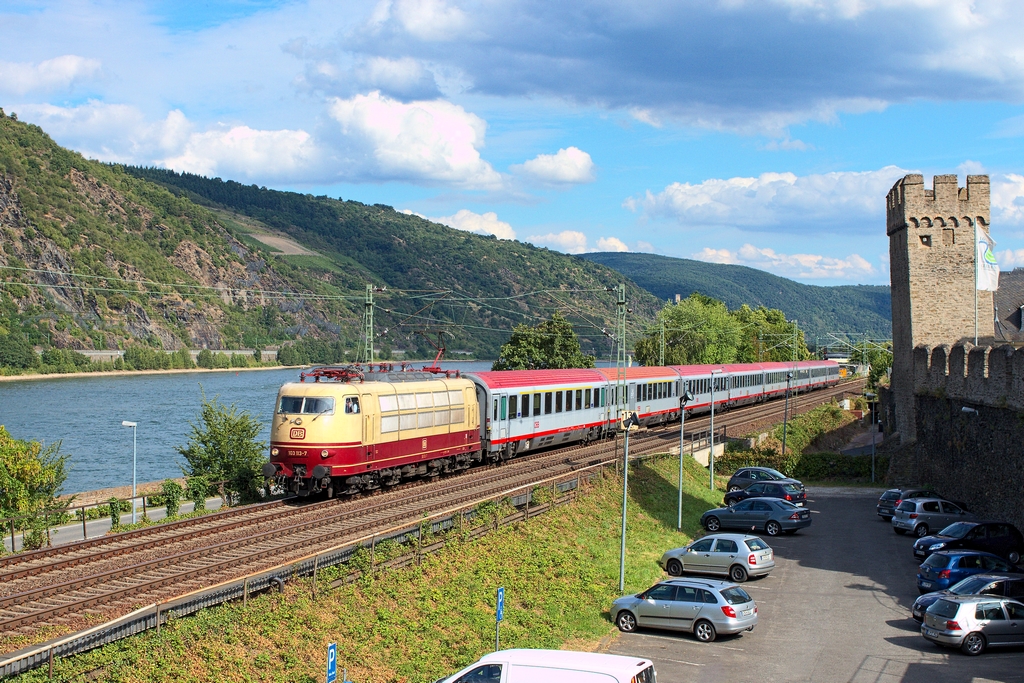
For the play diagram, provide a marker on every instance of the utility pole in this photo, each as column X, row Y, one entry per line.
column 368, row 326
column 620, row 361
column 661, row 355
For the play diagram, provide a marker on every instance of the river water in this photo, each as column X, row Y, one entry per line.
column 85, row 414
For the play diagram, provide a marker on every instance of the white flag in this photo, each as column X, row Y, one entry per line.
column 985, row 258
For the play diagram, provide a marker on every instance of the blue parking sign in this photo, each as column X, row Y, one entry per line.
column 332, row 662
column 501, row 604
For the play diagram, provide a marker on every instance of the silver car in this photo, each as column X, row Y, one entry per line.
column 704, row 607
column 734, row 555
column 923, row 515
column 974, row 622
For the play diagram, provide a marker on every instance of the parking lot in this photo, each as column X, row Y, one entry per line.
column 836, row 608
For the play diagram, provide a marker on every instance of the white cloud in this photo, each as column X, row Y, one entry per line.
column 1010, row 259
column 567, row 166
column 611, row 244
column 431, row 20
column 786, row 145
column 569, row 241
column 480, row 223
column 780, row 202
column 51, row 74
column 806, row 266
column 243, row 152
column 1007, row 196
column 426, row 141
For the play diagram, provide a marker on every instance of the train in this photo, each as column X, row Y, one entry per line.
column 357, row 428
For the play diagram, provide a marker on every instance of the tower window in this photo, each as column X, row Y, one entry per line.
column 948, row 237
column 926, row 240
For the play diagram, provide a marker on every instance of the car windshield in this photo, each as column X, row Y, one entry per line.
column 956, row 529
column 970, row 586
column 775, row 473
column 309, row 404
column 891, row 495
column 756, row 544
column 944, row 608
column 936, row 560
column 736, row 596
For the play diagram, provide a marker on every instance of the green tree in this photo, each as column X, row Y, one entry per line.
column 223, row 447
column 205, row 359
column 550, row 345
column 170, row 492
column 698, row 330
column 16, row 351
column 198, row 487
column 877, row 358
column 766, row 336
column 31, row 476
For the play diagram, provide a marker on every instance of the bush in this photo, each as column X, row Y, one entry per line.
column 221, row 361
column 239, row 360
column 115, row 513
column 205, row 359
column 198, row 489
column 171, row 492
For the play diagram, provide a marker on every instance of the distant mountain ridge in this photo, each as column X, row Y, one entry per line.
column 858, row 309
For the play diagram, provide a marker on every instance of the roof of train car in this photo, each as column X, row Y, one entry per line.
column 530, row 378
column 640, row 372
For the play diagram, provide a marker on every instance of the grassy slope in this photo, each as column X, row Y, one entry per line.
column 559, row 570
column 854, row 308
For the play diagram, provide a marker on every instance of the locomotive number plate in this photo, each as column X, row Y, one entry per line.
column 298, row 433
column 297, row 454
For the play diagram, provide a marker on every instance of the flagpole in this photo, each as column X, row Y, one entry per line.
column 975, row 282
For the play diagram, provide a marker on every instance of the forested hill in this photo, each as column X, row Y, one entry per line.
column 819, row 310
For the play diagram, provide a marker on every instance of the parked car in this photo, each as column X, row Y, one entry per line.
column 974, row 623
column 787, row 489
column 1002, row 585
column 734, row 555
column 704, row 607
column 998, row 538
column 890, row 500
column 922, row 515
column 943, row 568
column 745, row 476
column 555, row 665
column 772, row 515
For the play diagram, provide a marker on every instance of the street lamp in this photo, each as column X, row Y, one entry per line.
column 626, row 424
column 785, row 413
column 134, row 426
column 711, row 439
column 871, row 399
column 683, row 400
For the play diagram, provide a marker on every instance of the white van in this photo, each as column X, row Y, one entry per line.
column 555, row 666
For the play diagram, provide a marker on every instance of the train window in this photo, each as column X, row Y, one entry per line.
column 536, row 404
column 387, row 405
column 424, row 420
column 495, row 409
column 351, row 405
column 440, row 418
column 424, row 400
column 504, row 407
column 407, row 421
column 290, row 404
column 407, row 401
column 558, row 401
column 455, row 398
column 586, row 398
column 458, row 415
column 526, row 405
column 440, row 398
column 603, row 396
column 513, row 406
column 568, row 401
column 389, row 424
column 318, row 405
column 579, row 399
column 547, row 403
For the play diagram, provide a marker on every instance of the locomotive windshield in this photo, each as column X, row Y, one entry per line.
column 313, row 405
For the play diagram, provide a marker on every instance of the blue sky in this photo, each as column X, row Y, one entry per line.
column 759, row 132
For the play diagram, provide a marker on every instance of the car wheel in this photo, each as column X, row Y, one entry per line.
column 899, row 531
column 921, row 530
column 712, row 524
column 733, row 488
column 974, row 644
column 772, row 528
column 737, row 573
column 626, row 622
column 1014, row 557
column 704, row 631
column 674, row 567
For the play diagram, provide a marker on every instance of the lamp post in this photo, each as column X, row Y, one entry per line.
column 871, row 399
column 683, row 400
column 626, row 424
column 134, row 426
column 785, row 413
column 711, row 438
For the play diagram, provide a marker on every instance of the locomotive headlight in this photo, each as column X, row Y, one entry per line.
column 324, row 453
column 274, row 451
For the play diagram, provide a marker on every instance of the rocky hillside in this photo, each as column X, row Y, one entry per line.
column 93, row 256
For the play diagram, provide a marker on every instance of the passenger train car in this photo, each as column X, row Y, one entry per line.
column 358, row 428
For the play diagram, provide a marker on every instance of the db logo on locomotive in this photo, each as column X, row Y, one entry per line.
column 298, row 433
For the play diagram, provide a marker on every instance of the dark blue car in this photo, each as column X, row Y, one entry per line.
column 944, row 568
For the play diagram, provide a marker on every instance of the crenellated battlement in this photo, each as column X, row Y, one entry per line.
column 982, row 375
column 909, row 204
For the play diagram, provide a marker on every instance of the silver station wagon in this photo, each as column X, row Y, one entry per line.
column 922, row 515
column 737, row 556
column 704, row 607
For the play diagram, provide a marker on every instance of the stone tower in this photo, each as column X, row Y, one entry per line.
column 931, row 269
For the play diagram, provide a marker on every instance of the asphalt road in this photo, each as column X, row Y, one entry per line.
column 836, row 608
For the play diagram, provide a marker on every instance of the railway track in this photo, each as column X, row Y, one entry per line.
column 112, row 575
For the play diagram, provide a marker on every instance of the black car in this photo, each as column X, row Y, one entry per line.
column 891, row 499
column 999, row 538
column 1004, row 585
column 745, row 476
column 786, row 489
